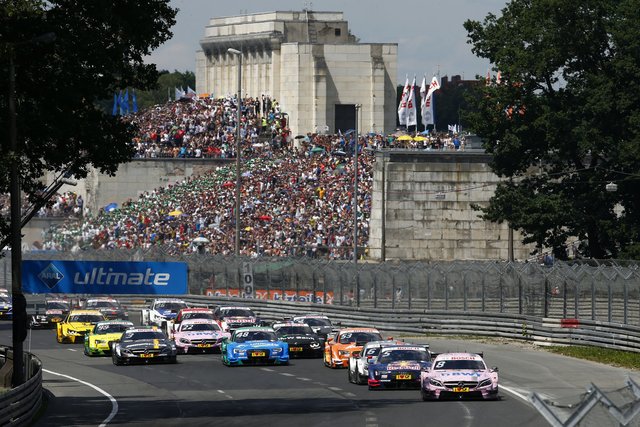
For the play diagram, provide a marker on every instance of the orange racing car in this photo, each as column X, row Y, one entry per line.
column 339, row 348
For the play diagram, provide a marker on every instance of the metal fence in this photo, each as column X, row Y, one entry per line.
column 600, row 291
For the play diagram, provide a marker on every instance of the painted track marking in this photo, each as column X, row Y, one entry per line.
column 114, row 402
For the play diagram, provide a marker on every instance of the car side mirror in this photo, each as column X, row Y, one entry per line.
column 330, row 339
column 494, row 369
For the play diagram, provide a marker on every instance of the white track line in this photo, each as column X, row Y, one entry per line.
column 114, row 403
column 514, row 392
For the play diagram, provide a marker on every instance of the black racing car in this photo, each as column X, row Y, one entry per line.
column 46, row 314
column 109, row 307
column 144, row 345
column 320, row 323
column 303, row 342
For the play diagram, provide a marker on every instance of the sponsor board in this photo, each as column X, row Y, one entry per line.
column 104, row 277
column 276, row 295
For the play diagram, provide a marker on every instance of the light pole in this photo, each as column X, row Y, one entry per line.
column 237, row 53
column 355, row 208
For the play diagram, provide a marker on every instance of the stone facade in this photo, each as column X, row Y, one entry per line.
column 421, row 208
column 309, row 62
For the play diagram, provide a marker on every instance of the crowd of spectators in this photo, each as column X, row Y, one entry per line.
column 293, row 202
column 68, row 204
column 296, row 192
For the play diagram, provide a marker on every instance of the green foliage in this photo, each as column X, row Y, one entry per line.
column 165, row 89
column 565, row 121
column 622, row 359
column 98, row 48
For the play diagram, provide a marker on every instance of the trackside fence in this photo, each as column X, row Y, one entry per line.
column 592, row 290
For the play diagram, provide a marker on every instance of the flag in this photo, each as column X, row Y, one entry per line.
column 435, row 85
column 134, row 101
column 427, row 101
column 411, row 105
column 125, row 108
column 180, row 93
column 191, row 93
column 428, row 111
column 453, row 128
column 402, row 108
column 114, row 112
column 121, row 103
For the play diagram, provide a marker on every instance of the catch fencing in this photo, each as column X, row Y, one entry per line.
column 605, row 291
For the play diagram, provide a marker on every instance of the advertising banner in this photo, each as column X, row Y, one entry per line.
column 104, row 277
column 276, row 295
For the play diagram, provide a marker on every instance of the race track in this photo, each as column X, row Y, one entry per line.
column 199, row 390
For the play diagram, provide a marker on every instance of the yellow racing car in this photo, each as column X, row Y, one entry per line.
column 99, row 340
column 77, row 323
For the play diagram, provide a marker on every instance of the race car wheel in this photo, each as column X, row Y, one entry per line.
column 59, row 338
column 350, row 376
column 86, row 351
column 173, row 360
column 425, row 396
column 359, row 378
column 116, row 360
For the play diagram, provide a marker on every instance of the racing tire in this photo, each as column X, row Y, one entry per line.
column 173, row 360
column 59, row 338
column 86, row 351
column 350, row 376
column 425, row 396
column 359, row 379
column 116, row 361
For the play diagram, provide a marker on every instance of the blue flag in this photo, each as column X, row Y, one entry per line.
column 134, row 101
column 126, row 102
column 121, row 103
column 115, row 105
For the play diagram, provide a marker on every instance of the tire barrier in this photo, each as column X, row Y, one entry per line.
column 19, row 405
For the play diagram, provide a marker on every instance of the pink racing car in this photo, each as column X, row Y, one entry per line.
column 198, row 336
column 459, row 375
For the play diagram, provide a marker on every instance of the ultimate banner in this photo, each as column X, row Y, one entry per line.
column 96, row 277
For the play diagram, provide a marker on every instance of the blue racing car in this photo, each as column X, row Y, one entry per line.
column 398, row 367
column 254, row 346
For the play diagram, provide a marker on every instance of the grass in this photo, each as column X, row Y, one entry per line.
column 619, row 358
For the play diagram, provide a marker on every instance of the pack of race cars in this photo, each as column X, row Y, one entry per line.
column 171, row 328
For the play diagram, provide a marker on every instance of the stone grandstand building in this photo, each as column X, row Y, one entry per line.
column 309, row 62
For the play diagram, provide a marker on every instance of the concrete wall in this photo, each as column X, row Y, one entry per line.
column 426, row 197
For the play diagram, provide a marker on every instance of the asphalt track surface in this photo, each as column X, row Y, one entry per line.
column 199, row 390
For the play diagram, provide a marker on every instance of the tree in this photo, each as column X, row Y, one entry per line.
column 564, row 122
column 98, row 49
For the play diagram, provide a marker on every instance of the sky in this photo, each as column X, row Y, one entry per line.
column 430, row 34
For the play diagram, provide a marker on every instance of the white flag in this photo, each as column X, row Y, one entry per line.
column 411, row 105
column 402, row 108
column 435, row 85
column 427, row 112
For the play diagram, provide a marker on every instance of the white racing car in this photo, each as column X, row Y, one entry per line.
column 359, row 362
column 162, row 310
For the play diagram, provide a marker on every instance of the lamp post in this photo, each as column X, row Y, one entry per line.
column 355, row 208
column 237, row 53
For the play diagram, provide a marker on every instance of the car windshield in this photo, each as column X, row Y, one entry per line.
column 200, row 327
column 359, row 337
column 85, row 318
column 102, row 304
column 107, row 328
column 237, row 312
column 317, row 321
column 57, row 305
column 143, row 335
column 244, row 336
column 294, row 330
column 5, row 300
column 388, row 356
column 175, row 306
column 197, row 315
column 474, row 365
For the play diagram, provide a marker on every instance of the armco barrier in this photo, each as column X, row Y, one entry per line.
column 19, row 405
column 539, row 330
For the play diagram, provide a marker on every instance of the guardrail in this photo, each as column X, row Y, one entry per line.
column 538, row 330
column 19, row 405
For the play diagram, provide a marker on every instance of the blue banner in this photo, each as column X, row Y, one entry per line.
column 97, row 277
